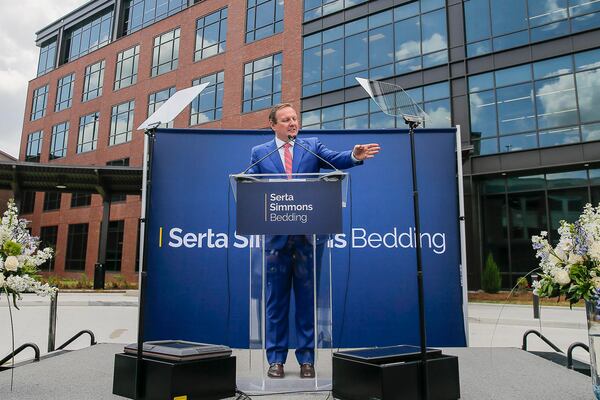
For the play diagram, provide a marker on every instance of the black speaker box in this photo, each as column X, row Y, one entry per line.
column 394, row 373
column 167, row 380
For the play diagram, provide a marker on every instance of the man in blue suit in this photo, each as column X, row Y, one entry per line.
column 290, row 258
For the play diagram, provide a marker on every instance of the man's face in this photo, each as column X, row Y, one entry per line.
column 287, row 123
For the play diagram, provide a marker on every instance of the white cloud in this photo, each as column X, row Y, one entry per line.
column 18, row 58
column 556, row 101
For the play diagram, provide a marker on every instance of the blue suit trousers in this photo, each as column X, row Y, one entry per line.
column 291, row 267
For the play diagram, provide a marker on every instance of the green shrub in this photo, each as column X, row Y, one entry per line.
column 84, row 282
column 119, row 282
column 491, row 280
column 522, row 284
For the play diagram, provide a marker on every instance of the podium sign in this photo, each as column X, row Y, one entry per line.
column 289, row 207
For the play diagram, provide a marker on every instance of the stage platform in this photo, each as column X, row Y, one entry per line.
column 485, row 373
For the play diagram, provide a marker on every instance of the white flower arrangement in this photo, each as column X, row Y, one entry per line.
column 19, row 258
column 571, row 268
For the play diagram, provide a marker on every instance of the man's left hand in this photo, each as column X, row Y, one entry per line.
column 363, row 151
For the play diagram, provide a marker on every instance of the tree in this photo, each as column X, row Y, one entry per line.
column 491, row 280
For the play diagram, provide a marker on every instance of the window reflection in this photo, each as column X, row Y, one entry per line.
column 515, row 109
column 508, row 16
column 553, row 101
column 543, row 11
column 518, row 142
column 397, row 41
column 559, row 136
column 495, row 25
column 363, row 114
column 588, row 94
column 483, row 114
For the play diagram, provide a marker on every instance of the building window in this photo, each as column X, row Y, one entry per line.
column 211, row 32
column 93, row 81
column 118, row 197
column 514, row 208
column 165, row 55
column 39, row 101
column 34, row 146
column 262, row 83
column 208, row 106
column 48, row 238
column 58, row 142
column 398, row 41
column 88, row 132
column 76, row 247
column 52, row 201
column 141, row 13
column 121, row 123
column 314, row 9
column 27, row 202
column 492, row 26
column 157, row 99
column 127, row 67
column 263, row 18
column 543, row 104
column 365, row 114
column 47, row 59
column 88, row 36
column 80, row 199
column 64, row 92
column 114, row 245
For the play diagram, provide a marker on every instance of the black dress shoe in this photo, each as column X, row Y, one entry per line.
column 276, row 371
column 307, row 371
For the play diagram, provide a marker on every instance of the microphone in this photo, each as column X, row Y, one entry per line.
column 262, row 158
column 293, row 138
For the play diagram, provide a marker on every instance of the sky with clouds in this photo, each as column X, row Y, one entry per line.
column 19, row 20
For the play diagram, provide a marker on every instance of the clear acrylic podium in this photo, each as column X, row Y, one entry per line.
column 326, row 192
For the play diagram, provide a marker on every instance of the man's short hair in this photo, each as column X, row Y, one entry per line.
column 277, row 107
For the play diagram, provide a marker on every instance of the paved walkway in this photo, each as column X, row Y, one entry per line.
column 113, row 319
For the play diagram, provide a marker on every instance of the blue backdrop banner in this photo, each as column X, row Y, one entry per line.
column 198, row 267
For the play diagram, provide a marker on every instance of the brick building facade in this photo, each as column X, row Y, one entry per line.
column 231, row 62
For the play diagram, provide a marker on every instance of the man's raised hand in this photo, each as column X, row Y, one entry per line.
column 363, row 151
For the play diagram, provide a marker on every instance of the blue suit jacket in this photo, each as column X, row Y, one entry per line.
column 302, row 162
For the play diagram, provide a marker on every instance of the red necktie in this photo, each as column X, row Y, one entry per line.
column 287, row 156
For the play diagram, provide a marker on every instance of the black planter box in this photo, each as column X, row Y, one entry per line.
column 391, row 373
column 165, row 380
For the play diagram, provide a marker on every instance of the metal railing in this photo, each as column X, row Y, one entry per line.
column 570, row 352
column 548, row 342
column 20, row 349
column 76, row 336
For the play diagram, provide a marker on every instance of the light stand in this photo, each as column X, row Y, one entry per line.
column 395, row 102
column 166, row 112
column 413, row 123
column 139, row 370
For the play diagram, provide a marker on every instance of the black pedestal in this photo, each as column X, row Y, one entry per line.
column 391, row 373
column 200, row 379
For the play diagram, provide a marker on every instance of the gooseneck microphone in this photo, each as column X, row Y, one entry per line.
column 262, row 158
column 293, row 138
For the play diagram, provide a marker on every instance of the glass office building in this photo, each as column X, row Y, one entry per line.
column 519, row 76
